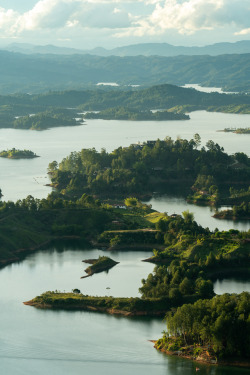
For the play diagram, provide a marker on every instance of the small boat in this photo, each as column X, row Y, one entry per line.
column 197, row 369
column 108, row 287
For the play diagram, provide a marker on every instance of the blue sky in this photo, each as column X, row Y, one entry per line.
column 109, row 23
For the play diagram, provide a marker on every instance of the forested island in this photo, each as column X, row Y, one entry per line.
column 98, row 265
column 190, row 258
column 204, row 176
column 65, row 108
column 123, row 113
column 241, row 212
column 18, row 154
column 20, row 118
column 187, row 257
column 237, row 130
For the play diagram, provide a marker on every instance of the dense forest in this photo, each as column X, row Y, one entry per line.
column 10, row 118
column 188, row 257
column 141, row 169
column 158, row 103
column 39, row 73
column 217, row 328
column 239, row 212
column 122, row 113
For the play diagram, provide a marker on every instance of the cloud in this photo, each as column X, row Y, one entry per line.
column 243, row 32
column 190, row 16
column 56, row 14
column 124, row 18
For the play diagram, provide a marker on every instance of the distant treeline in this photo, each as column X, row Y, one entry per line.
column 61, row 108
column 40, row 73
column 39, row 121
column 143, row 168
column 122, row 113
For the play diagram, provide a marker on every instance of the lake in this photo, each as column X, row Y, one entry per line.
column 63, row 342
column 198, row 87
column 77, row 342
column 202, row 214
column 30, row 175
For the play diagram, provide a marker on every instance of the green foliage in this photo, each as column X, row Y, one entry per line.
column 238, row 212
column 123, row 305
column 18, row 154
column 103, row 263
column 143, row 168
column 222, row 323
column 131, row 202
column 39, row 73
column 44, row 120
column 122, row 113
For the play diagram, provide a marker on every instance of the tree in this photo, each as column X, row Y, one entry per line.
column 131, row 202
column 186, row 286
column 188, row 216
column 197, row 140
column 53, row 166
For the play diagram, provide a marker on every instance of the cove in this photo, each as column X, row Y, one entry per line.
column 62, row 342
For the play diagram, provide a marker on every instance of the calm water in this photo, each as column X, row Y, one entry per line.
column 18, row 178
column 232, row 285
column 202, row 214
column 197, row 87
column 51, row 342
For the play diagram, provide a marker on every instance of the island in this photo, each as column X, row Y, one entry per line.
column 187, row 257
column 123, row 113
column 206, row 176
column 241, row 212
column 101, row 264
column 18, row 154
column 45, row 120
column 158, row 103
column 237, row 130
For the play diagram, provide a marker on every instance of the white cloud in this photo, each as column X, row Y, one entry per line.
column 190, row 16
column 56, row 14
column 243, row 32
column 124, row 18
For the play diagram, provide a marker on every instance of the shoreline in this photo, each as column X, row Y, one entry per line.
column 206, row 360
column 28, row 250
column 80, row 307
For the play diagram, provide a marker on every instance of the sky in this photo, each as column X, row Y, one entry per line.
column 87, row 24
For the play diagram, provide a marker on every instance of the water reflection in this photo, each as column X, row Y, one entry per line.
column 76, row 342
column 202, row 214
column 57, row 143
column 232, row 285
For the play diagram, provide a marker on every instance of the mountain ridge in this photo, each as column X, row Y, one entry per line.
column 144, row 49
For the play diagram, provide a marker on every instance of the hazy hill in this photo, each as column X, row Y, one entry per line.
column 161, row 96
column 39, row 73
column 145, row 49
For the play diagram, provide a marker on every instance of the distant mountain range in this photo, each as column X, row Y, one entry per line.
column 145, row 49
column 42, row 72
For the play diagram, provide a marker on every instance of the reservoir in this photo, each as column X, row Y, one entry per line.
column 42, row 342
column 78, row 342
column 19, row 178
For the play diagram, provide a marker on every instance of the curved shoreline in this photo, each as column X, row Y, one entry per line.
column 205, row 360
column 81, row 307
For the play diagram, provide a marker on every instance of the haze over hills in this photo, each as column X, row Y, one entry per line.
column 144, row 49
column 39, row 73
